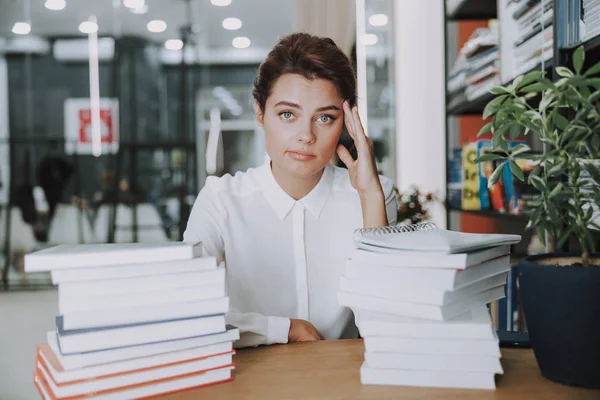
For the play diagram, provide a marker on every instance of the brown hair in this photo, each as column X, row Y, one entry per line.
column 312, row 57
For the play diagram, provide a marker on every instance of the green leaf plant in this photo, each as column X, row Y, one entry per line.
column 567, row 121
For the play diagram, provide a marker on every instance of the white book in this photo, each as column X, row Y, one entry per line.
column 474, row 324
column 60, row 375
column 392, row 291
column 131, row 271
column 81, row 341
column 142, row 284
column 145, row 314
column 430, row 238
column 484, row 347
column 438, row 379
column 83, row 360
column 101, row 302
column 424, row 311
column 151, row 389
column 106, row 254
column 412, row 259
column 438, row 279
column 434, row 362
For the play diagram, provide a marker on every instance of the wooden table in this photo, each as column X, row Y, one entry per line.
column 330, row 370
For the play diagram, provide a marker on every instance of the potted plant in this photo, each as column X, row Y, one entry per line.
column 560, row 291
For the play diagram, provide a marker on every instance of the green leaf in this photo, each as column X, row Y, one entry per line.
column 534, row 88
column 490, row 157
column 518, row 149
column 595, row 82
column 556, row 169
column 560, row 121
column 593, row 70
column 541, row 233
column 484, row 129
column 499, row 90
column 594, row 171
column 495, row 177
column 564, row 72
column 578, row 58
column 531, row 77
column 557, row 189
column 563, row 237
column 537, row 182
column 493, row 106
column 515, row 131
column 516, row 170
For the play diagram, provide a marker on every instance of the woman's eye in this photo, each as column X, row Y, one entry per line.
column 325, row 119
column 287, row 115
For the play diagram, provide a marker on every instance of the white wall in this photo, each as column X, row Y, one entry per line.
column 4, row 162
column 420, row 99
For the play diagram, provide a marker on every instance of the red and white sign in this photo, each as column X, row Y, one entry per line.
column 78, row 126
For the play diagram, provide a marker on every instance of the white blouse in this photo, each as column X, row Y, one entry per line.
column 284, row 258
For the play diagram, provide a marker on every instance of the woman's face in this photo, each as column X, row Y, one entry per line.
column 302, row 120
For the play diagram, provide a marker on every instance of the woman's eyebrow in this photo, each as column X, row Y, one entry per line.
column 289, row 104
column 298, row 106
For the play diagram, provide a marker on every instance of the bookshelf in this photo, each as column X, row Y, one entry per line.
column 458, row 10
column 505, row 14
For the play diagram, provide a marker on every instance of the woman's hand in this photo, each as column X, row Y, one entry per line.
column 303, row 331
column 363, row 171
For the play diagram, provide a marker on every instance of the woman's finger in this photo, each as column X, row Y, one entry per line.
column 348, row 117
column 345, row 156
column 359, row 130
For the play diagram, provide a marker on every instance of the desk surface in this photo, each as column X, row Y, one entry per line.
column 330, row 370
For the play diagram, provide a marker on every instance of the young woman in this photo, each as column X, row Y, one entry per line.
column 285, row 229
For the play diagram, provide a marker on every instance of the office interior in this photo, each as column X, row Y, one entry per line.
column 172, row 81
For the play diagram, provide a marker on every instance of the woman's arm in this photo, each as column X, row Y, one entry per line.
column 363, row 171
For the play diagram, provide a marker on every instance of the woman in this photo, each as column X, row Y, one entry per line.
column 286, row 228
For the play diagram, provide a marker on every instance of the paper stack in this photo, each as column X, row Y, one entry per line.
column 420, row 298
column 135, row 320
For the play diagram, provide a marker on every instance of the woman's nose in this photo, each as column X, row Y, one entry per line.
column 307, row 135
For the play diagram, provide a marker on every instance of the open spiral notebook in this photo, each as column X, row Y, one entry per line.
column 428, row 237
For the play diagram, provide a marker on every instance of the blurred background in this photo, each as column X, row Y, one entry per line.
column 114, row 112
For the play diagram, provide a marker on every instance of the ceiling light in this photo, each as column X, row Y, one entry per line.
column 240, row 42
column 378, row 20
column 55, row 5
column 232, row 24
column 221, row 3
column 88, row 27
column 140, row 10
column 134, row 3
column 174, row 44
column 157, row 26
column 369, row 39
column 21, row 28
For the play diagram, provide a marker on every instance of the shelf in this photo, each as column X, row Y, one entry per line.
column 460, row 106
column 590, row 44
column 469, row 107
column 494, row 214
column 473, row 10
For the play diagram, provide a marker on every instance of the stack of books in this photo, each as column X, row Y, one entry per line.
column 135, row 320
column 477, row 66
column 591, row 18
column 419, row 295
column 535, row 35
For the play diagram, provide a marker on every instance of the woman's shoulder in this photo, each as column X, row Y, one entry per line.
column 341, row 181
column 241, row 183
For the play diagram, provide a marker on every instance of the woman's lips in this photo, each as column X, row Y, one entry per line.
column 301, row 155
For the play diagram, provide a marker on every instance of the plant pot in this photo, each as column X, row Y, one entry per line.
column 561, row 305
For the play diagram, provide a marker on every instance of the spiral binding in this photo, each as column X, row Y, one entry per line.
column 386, row 230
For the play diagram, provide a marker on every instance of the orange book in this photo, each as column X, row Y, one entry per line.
column 160, row 387
column 140, row 383
column 60, row 376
